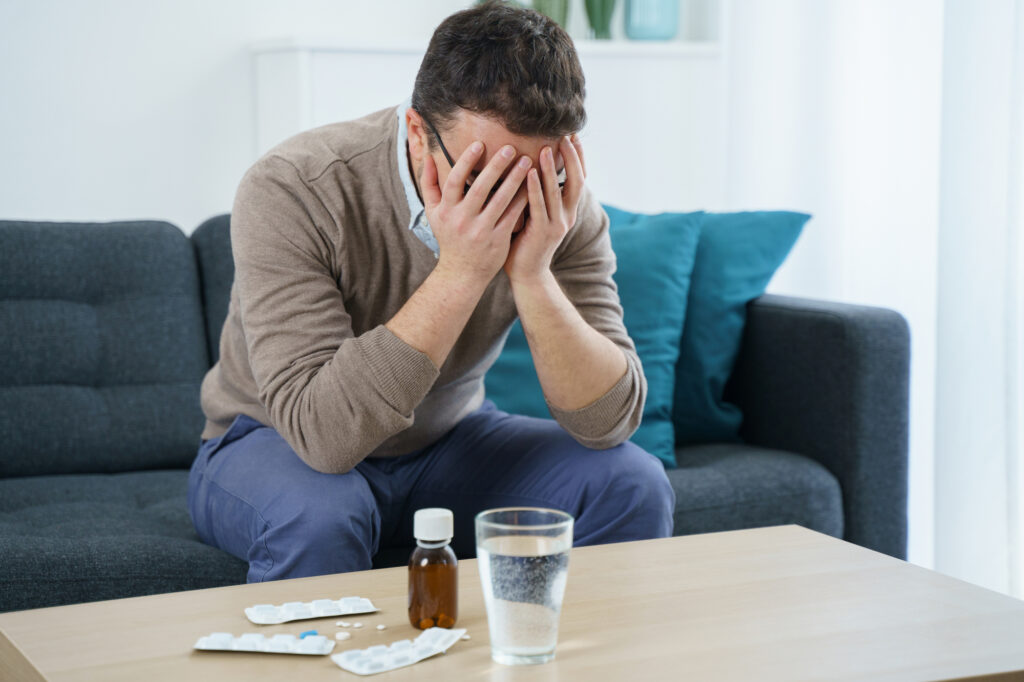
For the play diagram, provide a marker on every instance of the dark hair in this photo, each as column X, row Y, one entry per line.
column 506, row 62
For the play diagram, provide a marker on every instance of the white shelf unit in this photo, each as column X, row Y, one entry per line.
column 655, row 140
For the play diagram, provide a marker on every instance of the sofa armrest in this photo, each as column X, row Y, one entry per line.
column 831, row 381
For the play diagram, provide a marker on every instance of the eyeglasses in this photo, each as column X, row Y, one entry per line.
column 451, row 162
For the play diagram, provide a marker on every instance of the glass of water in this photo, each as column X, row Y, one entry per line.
column 523, row 555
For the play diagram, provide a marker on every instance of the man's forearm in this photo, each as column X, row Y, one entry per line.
column 576, row 364
column 435, row 315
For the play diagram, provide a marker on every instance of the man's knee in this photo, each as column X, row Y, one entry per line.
column 646, row 473
column 335, row 514
column 636, row 480
column 335, row 529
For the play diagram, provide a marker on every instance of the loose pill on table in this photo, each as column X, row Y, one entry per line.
column 381, row 627
column 341, row 636
column 343, row 623
column 466, row 637
column 357, row 625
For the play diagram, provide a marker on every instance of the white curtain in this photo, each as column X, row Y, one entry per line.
column 835, row 110
column 980, row 341
column 900, row 126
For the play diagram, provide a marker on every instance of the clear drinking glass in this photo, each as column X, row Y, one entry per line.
column 523, row 555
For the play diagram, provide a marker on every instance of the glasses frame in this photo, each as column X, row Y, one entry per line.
column 451, row 161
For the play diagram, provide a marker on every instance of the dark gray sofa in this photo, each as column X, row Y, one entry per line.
column 108, row 329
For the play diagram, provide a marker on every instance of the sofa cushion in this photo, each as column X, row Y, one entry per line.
column 737, row 256
column 85, row 537
column 729, row 486
column 212, row 242
column 104, row 348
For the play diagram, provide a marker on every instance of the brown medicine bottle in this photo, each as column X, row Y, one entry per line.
column 433, row 571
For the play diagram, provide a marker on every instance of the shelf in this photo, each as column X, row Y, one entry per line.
column 678, row 49
column 640, row 107
column 321, row 44
column 648, row 48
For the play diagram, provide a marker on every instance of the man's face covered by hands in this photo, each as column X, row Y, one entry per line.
column 531, row 183
column 468, row 128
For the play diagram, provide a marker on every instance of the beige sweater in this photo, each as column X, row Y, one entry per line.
column 323, row 258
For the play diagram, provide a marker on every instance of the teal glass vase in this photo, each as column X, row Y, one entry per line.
column 652, row 19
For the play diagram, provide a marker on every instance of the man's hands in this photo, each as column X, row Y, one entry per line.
column 474, row 238
column 475, row 231
column 552, row 212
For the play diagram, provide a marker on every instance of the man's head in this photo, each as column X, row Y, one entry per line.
column 499, row 74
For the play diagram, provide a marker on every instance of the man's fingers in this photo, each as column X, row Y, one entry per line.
column 552, row 195
column 578, row 146
column 488, row 178
column 456, row 181
column 431, row 192
column 574, row 174
column 538, row 208
column 507, row 191
column 511, row 216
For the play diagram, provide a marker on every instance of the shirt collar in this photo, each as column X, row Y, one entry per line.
column 417, row 216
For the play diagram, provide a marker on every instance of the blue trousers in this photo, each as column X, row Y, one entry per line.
column 250, row 494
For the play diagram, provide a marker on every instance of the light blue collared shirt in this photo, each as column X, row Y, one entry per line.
column 418, row 220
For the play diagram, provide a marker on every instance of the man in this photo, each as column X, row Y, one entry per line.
column 379, row 264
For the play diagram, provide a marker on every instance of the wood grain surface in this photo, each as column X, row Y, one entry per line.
column 780, row 603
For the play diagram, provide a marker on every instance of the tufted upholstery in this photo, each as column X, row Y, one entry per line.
column 104, row 348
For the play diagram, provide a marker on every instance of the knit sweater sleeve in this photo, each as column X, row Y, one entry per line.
column 332, row 395
column 583, row 266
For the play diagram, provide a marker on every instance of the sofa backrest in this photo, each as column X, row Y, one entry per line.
column 104, row 347
column 212, row 241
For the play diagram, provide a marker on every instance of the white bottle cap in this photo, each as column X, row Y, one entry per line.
column 433, row 524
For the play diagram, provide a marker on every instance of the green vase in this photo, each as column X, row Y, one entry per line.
column 599, row 13
column 558, row 10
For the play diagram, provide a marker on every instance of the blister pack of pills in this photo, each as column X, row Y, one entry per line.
column 378, row 659
column 317, row 645
column 268, row 614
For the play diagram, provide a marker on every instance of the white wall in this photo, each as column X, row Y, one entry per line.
column 836, row 111
column 121, row 109
column 978, row 411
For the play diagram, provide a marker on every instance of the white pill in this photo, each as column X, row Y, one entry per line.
column 357, row 625
column 342, row 635
column 381, row 627
column 465, row 637
column 343, row 623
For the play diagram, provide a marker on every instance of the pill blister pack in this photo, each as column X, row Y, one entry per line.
column 378, row 659
column 317, row 645
column 268, row 614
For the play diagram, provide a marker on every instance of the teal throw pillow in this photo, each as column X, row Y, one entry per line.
column 654, row 255
column 736, row 257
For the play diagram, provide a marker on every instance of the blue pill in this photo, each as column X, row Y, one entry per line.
column 307, row 633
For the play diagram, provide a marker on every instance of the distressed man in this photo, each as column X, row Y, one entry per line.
column 379, row 264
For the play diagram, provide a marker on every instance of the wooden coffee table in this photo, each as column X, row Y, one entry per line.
column 781, row 603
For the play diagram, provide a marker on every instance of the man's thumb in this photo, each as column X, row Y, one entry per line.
column 430, row 189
